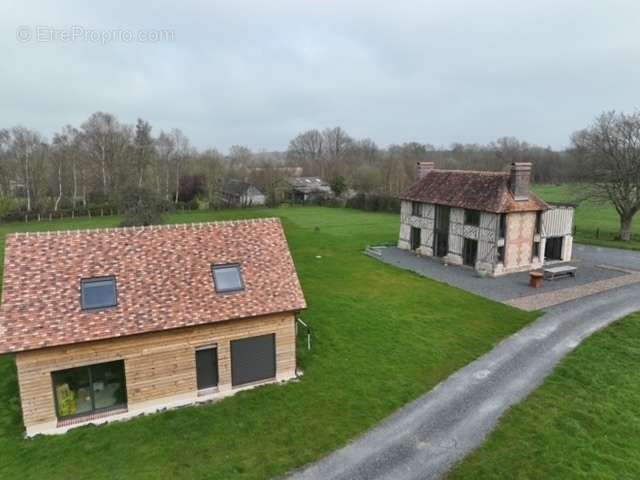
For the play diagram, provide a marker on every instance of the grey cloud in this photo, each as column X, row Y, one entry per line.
column 256, row 73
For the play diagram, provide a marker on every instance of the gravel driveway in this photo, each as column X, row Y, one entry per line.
column 424, row 439
column 589, row 261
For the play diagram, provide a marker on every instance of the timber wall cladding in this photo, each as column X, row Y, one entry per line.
column 425, row 223
column 557, row 222
column 456, row 226
column 157, row 365
column 488, row 237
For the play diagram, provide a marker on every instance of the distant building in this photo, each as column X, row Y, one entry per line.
column 242, row 194
column 307, row 189
column 490, row 221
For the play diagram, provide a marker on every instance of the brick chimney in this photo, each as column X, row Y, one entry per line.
column 423, row 168
column 520, row 180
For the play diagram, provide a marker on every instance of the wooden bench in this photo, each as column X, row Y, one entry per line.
column 552, row 273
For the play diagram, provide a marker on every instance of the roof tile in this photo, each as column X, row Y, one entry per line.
column 163, row 276
column 485, row 191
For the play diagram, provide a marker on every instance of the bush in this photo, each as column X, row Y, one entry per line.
column 141, row 208
column 7, row 206
column 374, row 203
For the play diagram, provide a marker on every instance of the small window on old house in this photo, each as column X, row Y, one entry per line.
column 501, row 254
column 503, row 225
column 538, row 222
column 227, row 278
column 416, row 209
column 99, row 293
column 472, row 217
column 536, row 250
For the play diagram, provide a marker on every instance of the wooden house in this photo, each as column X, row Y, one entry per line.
column 112, row 323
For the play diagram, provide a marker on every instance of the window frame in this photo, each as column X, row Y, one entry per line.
column 502, row 226
column 416, row 209
column 538, row 227
column 467, row 212
column 93, row 410
column 228, row 291
column 535, row 251
column 89, row 280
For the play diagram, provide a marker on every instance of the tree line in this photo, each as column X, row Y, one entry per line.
column 100, row 162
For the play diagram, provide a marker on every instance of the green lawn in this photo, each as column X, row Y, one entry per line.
column 383, row 336
column 596, row 222
column 583, row 423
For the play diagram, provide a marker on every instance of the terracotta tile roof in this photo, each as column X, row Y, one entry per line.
column 486, row 191
column 163, row 276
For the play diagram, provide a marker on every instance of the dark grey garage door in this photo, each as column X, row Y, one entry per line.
column 253, row 359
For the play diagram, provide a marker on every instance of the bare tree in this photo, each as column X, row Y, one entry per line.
column 337, row 144
column 166, row 148
column 143, row 149
column 182, row 149
column 609, row 150
column 306, row 150
column 25, row 145
column 108, row 143
column 5, row 168
column 210, row 164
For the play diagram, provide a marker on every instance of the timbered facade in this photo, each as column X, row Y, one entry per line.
column 489, row 221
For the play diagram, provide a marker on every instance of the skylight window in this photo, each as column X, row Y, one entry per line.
column 99, row 293
column 228, row 278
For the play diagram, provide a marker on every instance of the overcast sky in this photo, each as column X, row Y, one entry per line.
column 257, row 73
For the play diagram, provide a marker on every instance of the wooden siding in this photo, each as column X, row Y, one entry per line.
column 557, row 222
column 157, row 365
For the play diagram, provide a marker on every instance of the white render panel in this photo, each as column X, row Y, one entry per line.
column 428, row 210
column 567, row 247
column 405, row 232
column 457, row 215
column 456, row 232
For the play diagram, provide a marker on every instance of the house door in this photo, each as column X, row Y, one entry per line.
column 470, row 252
column 553, row 248
column 415, row 238
column 207, row 367
column 441, row 231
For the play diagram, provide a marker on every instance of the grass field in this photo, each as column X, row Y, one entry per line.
column 383, row 336
column 596, row 222
column 584, row 422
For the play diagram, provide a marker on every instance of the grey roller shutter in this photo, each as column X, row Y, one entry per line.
column 253, row 359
